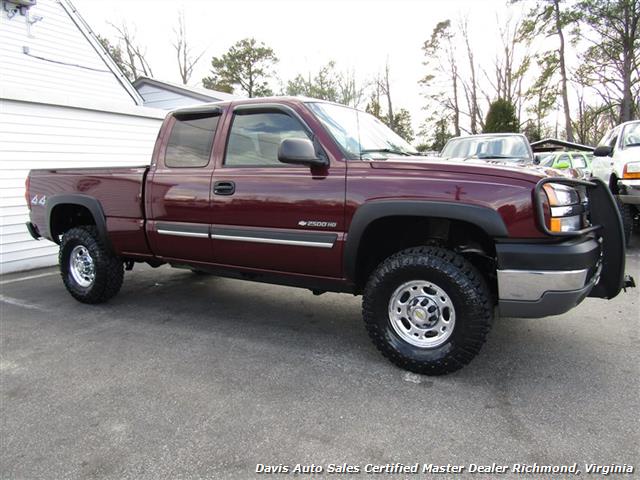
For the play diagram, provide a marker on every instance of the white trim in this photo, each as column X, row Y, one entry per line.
column 75, row 16
column 28, row 96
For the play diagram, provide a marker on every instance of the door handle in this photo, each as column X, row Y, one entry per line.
column 224, row 188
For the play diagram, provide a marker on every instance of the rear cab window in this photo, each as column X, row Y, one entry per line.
column 190, row 141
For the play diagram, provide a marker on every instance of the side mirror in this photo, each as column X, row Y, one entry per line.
column 562, row 165
column 299, row 151
column 603, row 151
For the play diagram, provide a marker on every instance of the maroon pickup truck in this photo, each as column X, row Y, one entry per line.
column 312, row 194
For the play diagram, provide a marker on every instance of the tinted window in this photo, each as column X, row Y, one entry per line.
column 255, row 138
column 190, row 142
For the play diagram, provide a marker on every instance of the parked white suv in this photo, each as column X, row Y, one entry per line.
column 617, row 162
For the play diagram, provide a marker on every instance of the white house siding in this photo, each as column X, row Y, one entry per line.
column 69, row 107
column 69, row 63
column 34, row 135
column 158, row 98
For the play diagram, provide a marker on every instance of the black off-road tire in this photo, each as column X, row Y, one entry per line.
column 109, row 271
column 626, row 212
column 460, row 280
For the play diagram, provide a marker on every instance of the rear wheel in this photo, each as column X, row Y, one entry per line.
column 90, row 273
column 427, row 310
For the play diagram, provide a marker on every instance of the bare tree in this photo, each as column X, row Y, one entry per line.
column 350, row 92
column 611, row 63
column 441, row 80
column 385, row 87
column 510, row 67
column 134, row 57
column 471, row 86
column 549, row 18
column 186, row 60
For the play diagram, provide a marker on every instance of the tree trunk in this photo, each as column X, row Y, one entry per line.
column 563, row 74
column 626, row 110
column 456, row 108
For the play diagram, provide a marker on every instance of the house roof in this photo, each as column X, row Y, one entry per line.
column 90, row 35
column 198, row 93
column 554, row 144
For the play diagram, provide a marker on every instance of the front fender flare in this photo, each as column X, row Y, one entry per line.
column 485, row 218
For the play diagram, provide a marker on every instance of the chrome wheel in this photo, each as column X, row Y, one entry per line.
column 81, row 266
column 422, row 314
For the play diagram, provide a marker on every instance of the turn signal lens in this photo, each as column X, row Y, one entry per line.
column 565, row 224
column 631, row 170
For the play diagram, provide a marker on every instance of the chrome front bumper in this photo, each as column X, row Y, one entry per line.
column 531, row 285
column 540, row 293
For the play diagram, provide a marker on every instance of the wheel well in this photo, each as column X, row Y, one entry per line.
column 66, row 216
column 388, row 235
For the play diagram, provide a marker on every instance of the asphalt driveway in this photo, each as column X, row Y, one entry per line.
column 188, row 376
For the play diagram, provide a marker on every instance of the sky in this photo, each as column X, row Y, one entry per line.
column 360, row 35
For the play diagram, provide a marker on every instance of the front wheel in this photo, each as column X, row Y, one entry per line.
column 428, row 310
column 89, row 271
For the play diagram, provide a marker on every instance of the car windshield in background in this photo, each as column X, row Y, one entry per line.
column 360, row 134
column 489, row 147
column 631, row 135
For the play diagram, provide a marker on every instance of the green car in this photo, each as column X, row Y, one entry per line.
column 580, row 161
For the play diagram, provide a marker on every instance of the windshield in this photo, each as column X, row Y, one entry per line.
column 631, row 135
column 359, row 134
column 512, row 147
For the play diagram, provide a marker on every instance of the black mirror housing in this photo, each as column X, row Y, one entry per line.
column 603, row 151
column 299, row 151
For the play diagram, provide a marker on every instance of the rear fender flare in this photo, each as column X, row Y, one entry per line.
column 484, row 218
column 90, row 203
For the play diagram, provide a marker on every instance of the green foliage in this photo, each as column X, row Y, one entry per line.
column 115, row 52
column 402, row 124
column 327, row 84
column 436, row 132
column 246, row 65
column 324, row 85
column 441, row 134
column 501, row 117
column 373, row 106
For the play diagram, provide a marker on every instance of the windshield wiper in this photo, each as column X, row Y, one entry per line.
column 494, row 156
column 635, row 144
column 387, row 150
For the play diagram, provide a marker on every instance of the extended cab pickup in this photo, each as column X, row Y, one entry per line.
column 313, row 194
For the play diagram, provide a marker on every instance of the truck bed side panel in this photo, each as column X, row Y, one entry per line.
column 119, row 191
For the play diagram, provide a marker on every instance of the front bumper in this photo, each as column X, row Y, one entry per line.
column 541, row 279
column 538, row 280
column 629, row 191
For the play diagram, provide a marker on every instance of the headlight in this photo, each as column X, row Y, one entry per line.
column 560, row 195
column 566, row 212
column 631, row 170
